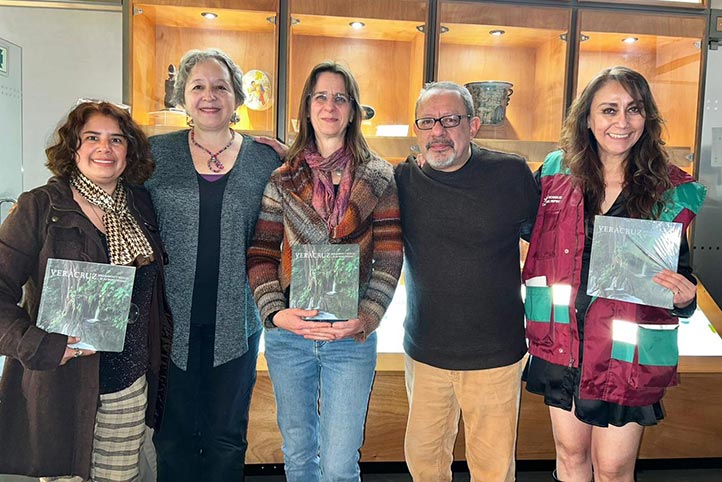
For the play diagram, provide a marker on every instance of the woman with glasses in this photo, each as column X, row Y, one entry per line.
column 68, row 413
column 330, row 190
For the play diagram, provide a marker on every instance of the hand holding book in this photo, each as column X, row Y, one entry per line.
column 684, row 291
column 71, row 353
column 294, row 320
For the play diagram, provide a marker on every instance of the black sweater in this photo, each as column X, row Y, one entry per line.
column 461, row 242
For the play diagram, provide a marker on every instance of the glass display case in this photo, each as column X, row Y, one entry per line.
column 525, row 48
column 519, row 58
column 162, row 31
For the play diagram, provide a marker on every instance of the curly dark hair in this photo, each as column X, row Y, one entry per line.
column 67, row 139
column 646, row 175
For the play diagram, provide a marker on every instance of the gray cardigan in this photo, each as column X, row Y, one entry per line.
column 174, row 189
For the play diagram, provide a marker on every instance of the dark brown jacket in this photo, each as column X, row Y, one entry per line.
column 47, row 412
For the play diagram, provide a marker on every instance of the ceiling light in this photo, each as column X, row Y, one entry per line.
column 357, row 25
column 496, row 33
column 209, row 15
column 630, row 40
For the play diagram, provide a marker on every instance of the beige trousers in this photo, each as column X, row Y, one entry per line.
column 489, row 401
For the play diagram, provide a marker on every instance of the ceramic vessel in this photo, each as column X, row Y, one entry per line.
column 490, row 100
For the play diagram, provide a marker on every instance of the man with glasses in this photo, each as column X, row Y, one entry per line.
column 462, row 214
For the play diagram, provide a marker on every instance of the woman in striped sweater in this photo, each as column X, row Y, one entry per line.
column 330, row 190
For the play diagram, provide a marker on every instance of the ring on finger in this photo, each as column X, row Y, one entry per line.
column 78, row 352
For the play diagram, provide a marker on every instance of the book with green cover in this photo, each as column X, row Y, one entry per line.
column 627, row 253
column 325, row 277
column 89, row 300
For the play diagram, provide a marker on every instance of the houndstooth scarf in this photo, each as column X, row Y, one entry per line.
column 126, row 241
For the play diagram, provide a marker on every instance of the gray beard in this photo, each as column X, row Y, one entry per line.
column 443, row 163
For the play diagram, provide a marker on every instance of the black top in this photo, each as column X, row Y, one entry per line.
column 118, row 371
column 461, row 245
column 205, row 286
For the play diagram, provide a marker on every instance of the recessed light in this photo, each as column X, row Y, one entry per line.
column 630, row 40
column 496, row 33
column 357, row 25
column 422, row 28
column 209, row 15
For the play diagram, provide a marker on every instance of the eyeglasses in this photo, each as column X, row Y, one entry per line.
column 447, row 121
column 339, row 100
column 84, row 100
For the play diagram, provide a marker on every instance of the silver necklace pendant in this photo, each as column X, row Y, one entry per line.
column 214, row 165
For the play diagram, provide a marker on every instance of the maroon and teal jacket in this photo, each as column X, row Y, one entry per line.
column 630, row 350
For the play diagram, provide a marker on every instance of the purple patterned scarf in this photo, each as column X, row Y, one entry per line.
column 330, row 205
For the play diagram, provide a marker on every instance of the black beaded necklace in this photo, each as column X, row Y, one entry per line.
column 213, row 161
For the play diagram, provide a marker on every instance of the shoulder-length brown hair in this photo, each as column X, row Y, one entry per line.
column 67, row 139
column 353, row 138
column 646, row 175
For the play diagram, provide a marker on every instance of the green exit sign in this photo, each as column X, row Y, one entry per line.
column 3, row 60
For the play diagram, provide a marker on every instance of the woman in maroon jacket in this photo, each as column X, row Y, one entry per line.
column 602, row 365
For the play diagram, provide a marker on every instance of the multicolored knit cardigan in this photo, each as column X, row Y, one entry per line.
column 287, row 218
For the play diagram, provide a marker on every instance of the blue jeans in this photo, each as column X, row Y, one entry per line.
column 322, row 392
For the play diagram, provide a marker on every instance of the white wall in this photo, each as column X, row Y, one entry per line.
column 67, row 54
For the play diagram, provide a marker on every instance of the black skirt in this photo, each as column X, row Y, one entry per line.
column 560, row 387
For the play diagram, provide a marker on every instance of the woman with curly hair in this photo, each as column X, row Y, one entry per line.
column 68, row 413
column 612, row 162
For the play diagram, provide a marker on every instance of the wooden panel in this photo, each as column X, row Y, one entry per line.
column 468, row 63
column 504, row 16
column 213, row 4
column 634, row 23
column 264, row 439
column 659, row 3
column 692, row 427
column 190, row 17
column 416, row 82
column 514, row 37
column 143, row 58
column 375, row 29
column 548, row 103
column 411, row 10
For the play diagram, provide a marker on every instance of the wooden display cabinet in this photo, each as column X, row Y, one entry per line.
column 523, row 46
column 162, row 31
column 388, row 57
